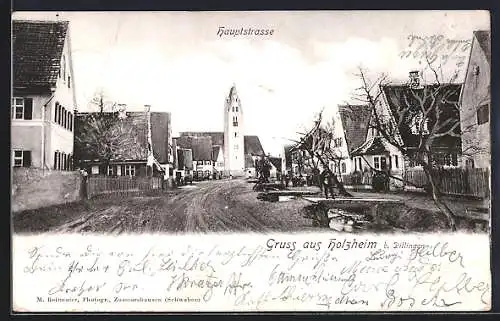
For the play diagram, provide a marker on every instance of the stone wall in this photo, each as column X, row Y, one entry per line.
column 33, row 188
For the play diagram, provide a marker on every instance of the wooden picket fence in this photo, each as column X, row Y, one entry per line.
column 106, row 185
column 455, row 181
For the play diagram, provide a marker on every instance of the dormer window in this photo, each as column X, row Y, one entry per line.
column 419, row 125
column 476, row 71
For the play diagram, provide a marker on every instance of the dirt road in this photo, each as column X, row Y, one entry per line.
column 214, row 206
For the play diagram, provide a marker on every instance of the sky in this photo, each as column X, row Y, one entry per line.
column 177, row 62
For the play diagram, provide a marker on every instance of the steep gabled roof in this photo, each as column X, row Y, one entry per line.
column 37, row 50
column 484, row 40
column 251, row 142
column 355, row 120
column 373, row 146
column 253, row 146
column 404, row 105
column 200, row 145
column 160, row 131
column 276, row 161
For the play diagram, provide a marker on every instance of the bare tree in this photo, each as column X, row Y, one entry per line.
column 317, row 142
column 101, row 135
column 429, row 114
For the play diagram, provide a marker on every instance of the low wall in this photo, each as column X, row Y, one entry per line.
column 33, row 188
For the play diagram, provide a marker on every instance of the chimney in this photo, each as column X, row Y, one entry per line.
column 414, row 79
column 147, row 108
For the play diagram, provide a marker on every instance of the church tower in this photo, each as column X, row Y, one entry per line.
column 234, row 153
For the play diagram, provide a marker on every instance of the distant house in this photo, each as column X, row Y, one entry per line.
column 43, row 95
column 218, row 160
column 183, row 163
column 252, row 149
column 202, row 150
column 141, row 149
column 475, row 104
column 276, row 169
column 353, row 121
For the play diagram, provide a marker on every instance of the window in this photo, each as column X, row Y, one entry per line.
column 22, row 108
column 208, row 162
column 22, row 158
column 344, row 169
column 56, row 112
column 69, row 81
column 396, row 161
column 236, row 147
column 63, row 121
column 70, row 121
column 59, row 115
column 63, row 67
column 235, row 121
column 483, row 114
column 129, row 170
column 70, row 162
column 337, row 142
column 94, row 170
column 469, row 163
column 18, row 158
column 235, row 134
column 59, row 160
column 419, row 124
column 379, row 163
column 111, row 170
column 233, row 109
column 236, row 106
column 17, row 108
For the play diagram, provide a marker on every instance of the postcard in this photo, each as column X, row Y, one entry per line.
column 251, row 161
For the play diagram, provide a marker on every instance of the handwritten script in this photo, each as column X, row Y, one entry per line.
column 324, row 272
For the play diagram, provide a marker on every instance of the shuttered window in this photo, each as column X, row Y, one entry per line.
column 22, row 158
column 22, row 108
column 483, row 114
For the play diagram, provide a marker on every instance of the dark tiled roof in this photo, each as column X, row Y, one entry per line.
column 251, row 142
column 373, row 146
column 37, row 50
column 200, row 145
column 484, row 39
column 217, row 137
column 276, row 161
column 215, row 152
column 130, row 134
column 404, row 106
column 185, row 159
column 253, row 145
column 355, row 120
column 160, row 130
